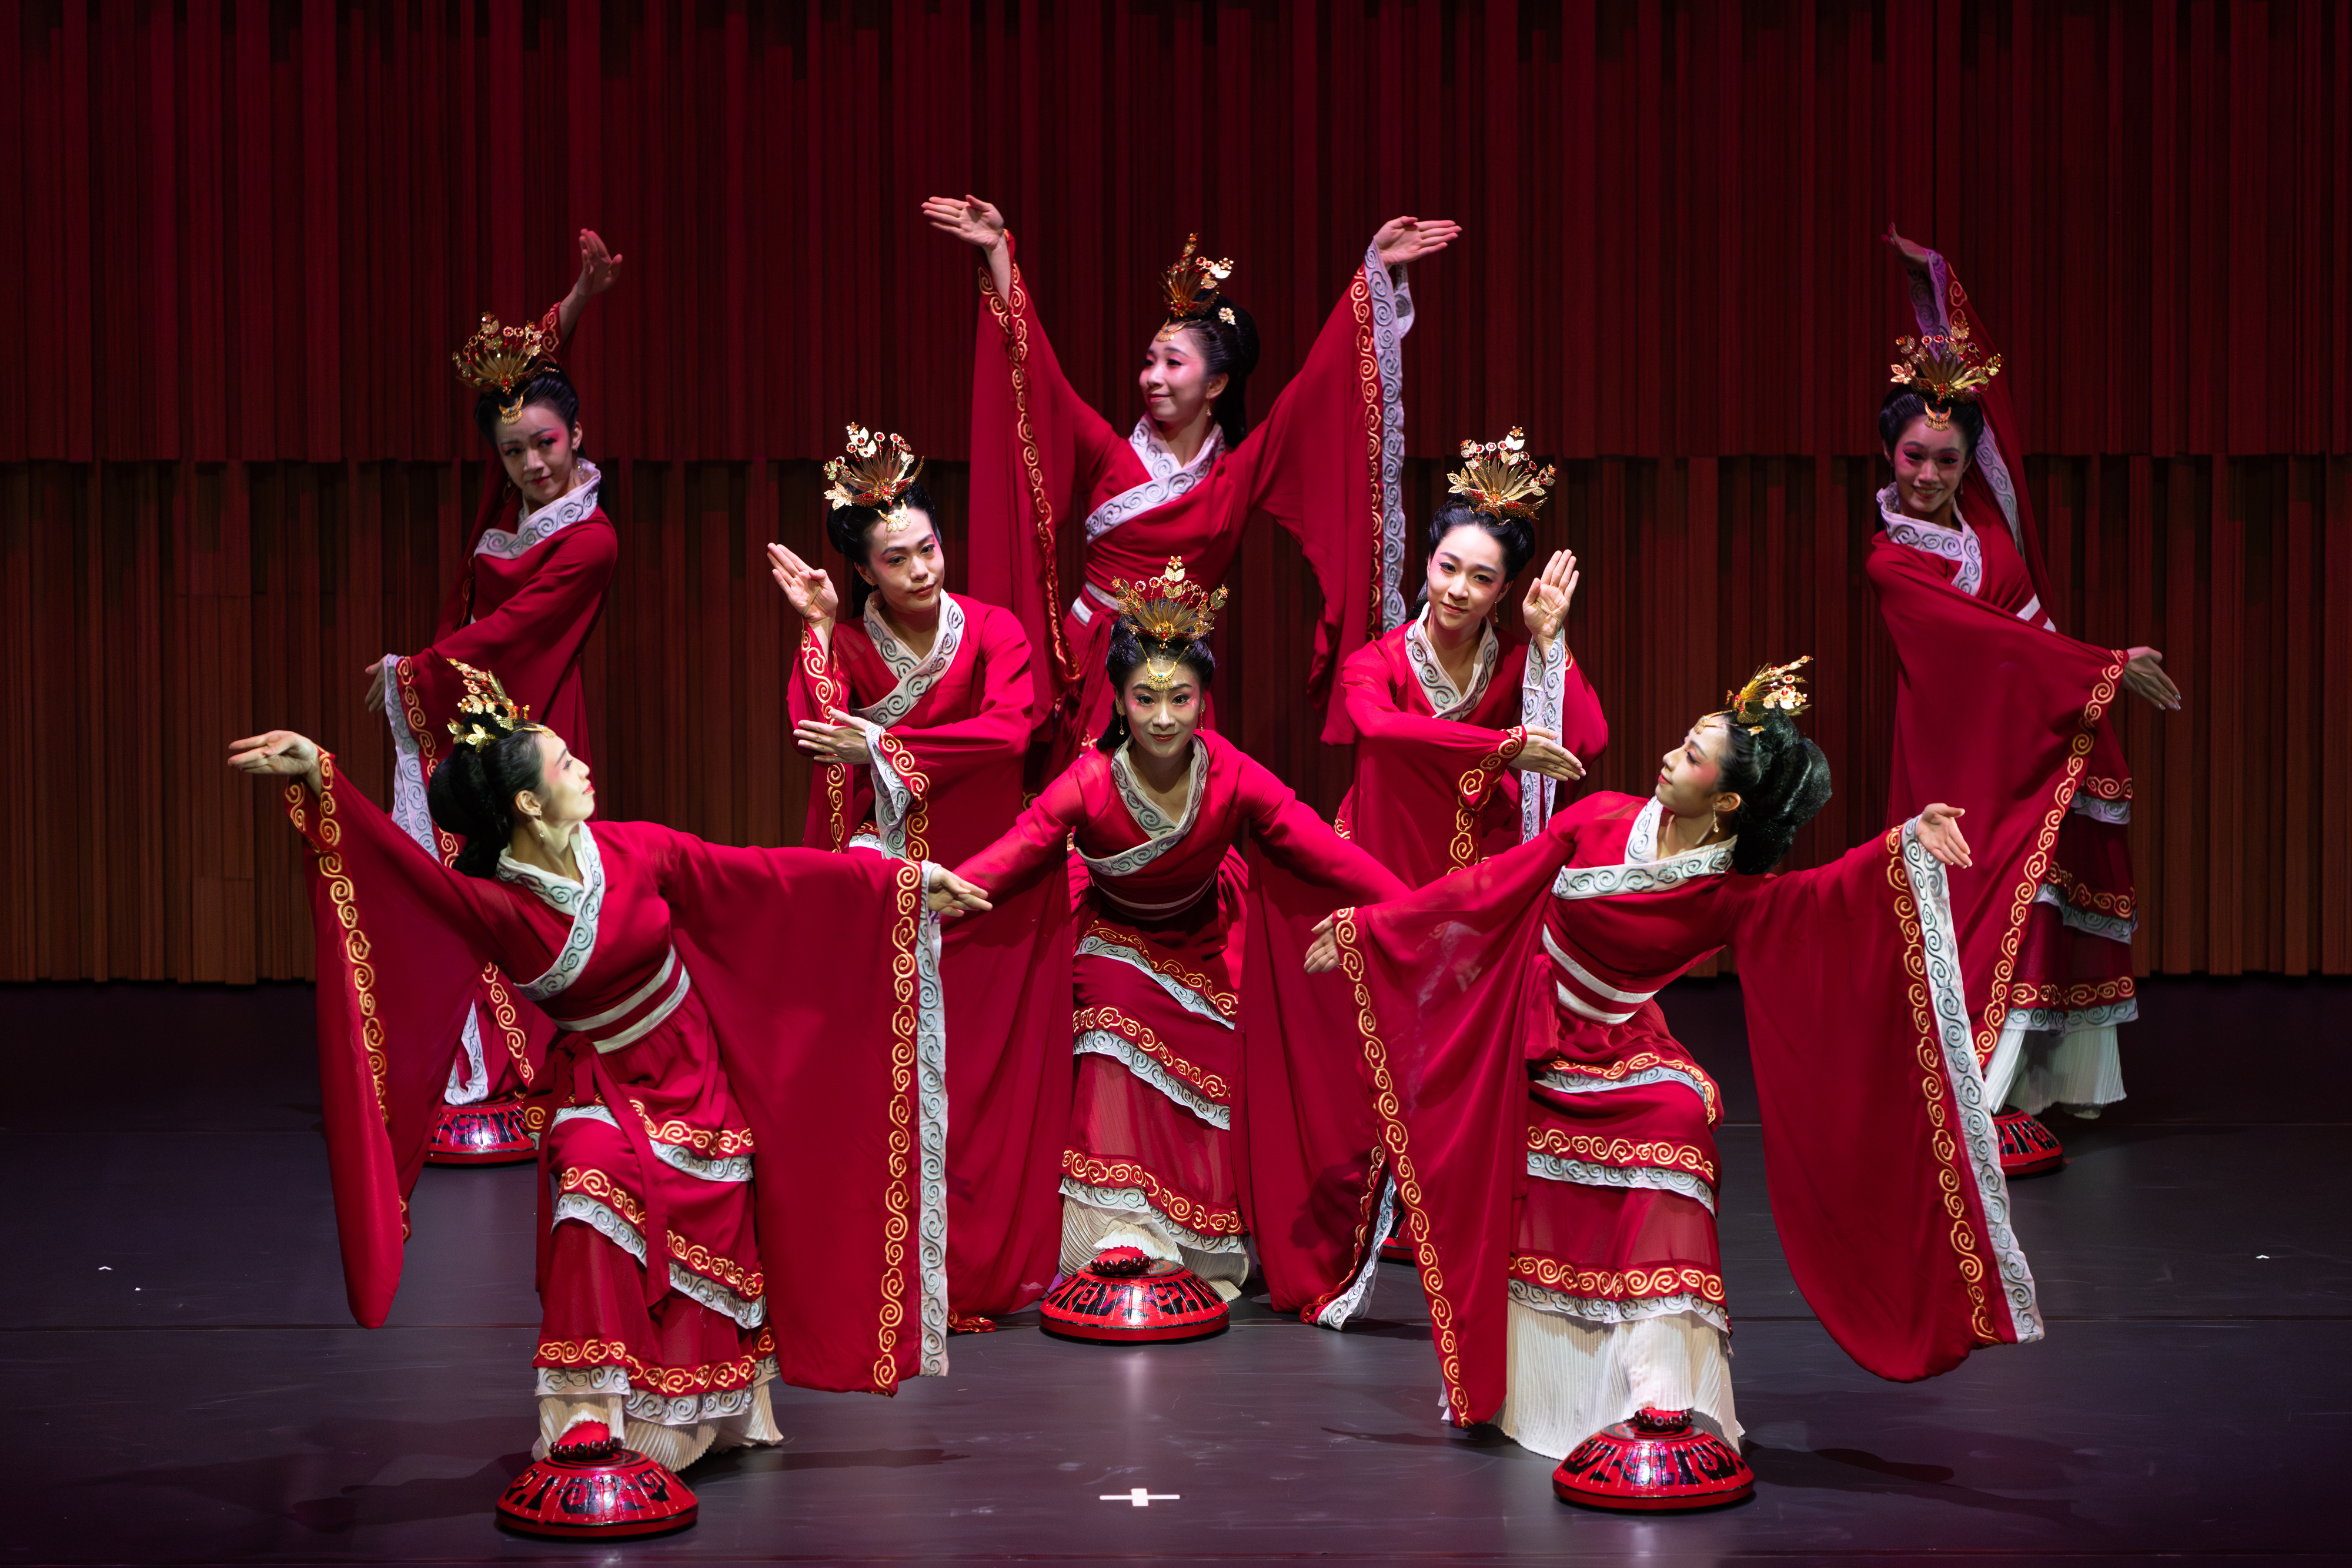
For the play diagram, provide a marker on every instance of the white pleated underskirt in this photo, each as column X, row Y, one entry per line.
column 2081, row 1067
column 1569, row 1377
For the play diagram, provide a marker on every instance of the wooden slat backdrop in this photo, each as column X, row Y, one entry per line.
column 154, row 612
column 244, row 233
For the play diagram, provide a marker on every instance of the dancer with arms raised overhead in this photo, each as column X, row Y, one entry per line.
column 1326, row 461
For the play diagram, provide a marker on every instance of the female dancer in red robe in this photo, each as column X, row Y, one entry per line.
column 915, row 711
column 1553, row 1142
column 1445, row 713
column 1326, row 461
column 694, row 1052
column 536, row 570
column 1159, row 812
column 2049, row 954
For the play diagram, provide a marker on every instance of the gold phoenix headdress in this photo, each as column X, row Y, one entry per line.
column 876, row 471
column 1170, row 613
column 1500, row 478
column 485, row 713
column 1776, row 687
column 1192, row 287
column 1944, row 368
column 500, row 359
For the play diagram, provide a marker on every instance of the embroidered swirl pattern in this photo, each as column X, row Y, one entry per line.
column 1617, row 1285
column 711, row 1376
column 828, row 693
column 1011, row 319
column 327, row 834
column 1189, row 1213
column 608, row 1190
column 1641, row 1062
column 1444, row 1330
column 1655, row 1154
column 2036, row 868
column 1110, row 1020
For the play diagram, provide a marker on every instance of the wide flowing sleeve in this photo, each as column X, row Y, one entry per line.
column 1999, row 718
column 400, row 941
column 817, row 688
column 1885, row 1168
column 530, row 641
column 1554, row 694
column 1038, row 454
column 1038, row 840
column 1939, row 305
column 1328, row 462
column 922, row 760
column 1419, row 778
column 1447, row 990
column 820, row 973
column 1306, row 1143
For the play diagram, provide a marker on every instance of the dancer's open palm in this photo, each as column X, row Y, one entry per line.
column 807, row 588
column 967, row 218
column 1408, row 239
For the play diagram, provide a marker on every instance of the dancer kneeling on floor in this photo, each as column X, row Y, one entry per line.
column 1159, row 812
column 720, row 1008
column 1553, row 1142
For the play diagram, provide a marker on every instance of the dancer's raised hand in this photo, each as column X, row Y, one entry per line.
column 967, row 218
column 1939, row 834
column 807, row 588
column 278, row 752
column 1409, row 239
column 374, row 671
column 1915, row 256
column 1549, row 594
column 599, row 270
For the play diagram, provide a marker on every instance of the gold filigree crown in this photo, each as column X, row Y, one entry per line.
column 485, row 713
column 1192, row 287
column 500, row 359
column 1777, row 688
column 1944, row 368
column 1500, row 478
column 1170, row 612
column 876, row 471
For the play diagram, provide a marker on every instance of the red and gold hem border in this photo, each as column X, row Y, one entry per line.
column 711, row 1377
column 2037, row 862
column 1646, row 1153
column 1226, row 1002
column 1111, row 1020
column 1196, row 1215
column 1636, row 1284
column 1641, row 1061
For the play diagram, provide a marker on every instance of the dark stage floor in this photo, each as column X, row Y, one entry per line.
column 189, row 1387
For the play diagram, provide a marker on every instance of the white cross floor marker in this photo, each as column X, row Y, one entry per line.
column 1140, row 1498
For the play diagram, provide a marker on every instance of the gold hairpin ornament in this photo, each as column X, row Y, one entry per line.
column 1943, row 368
column 1192, row 287
column 877, row 471
column 1500, row 478
column 1170, row 613
column 485, row 714
column 1777, row 688
column 502, row 359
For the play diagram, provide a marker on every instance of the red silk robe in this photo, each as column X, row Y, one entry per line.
column 1552, row 1142
column 1171, row 1024
column 1326, row 461
column 1434, row 788
column 743, row 1167
column 2055, row 956
column 530, row 593
column 949, row 731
